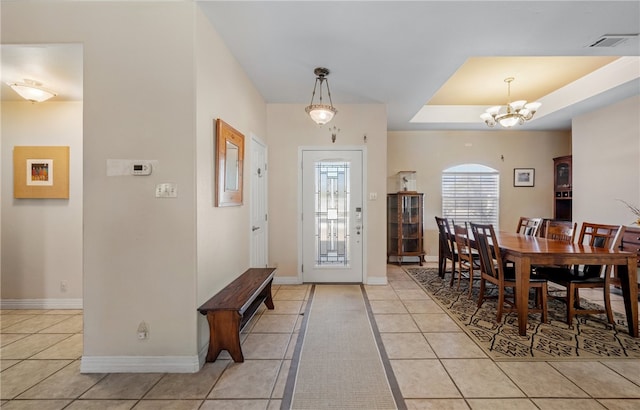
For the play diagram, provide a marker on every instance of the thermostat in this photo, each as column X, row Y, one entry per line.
column 141, row 168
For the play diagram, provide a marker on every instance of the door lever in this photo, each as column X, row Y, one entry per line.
column 254, row 228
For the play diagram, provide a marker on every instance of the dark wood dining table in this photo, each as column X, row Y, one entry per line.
column 525, row 251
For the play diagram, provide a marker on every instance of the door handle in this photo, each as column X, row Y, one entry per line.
column 254, row 228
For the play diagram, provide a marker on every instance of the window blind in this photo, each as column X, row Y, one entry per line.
column 471, row 197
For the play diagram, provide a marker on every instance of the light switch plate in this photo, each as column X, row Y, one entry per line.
column 166, row 190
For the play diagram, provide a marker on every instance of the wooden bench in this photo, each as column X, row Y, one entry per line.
column 230, row 309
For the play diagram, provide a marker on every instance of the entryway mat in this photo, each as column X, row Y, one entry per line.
column 340, row 365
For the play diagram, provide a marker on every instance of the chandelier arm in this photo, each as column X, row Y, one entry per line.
column 313, row 94
column 321, row 78
column 329, row 94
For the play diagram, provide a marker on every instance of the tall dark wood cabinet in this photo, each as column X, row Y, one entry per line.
column 405, row 226
column 563, row 188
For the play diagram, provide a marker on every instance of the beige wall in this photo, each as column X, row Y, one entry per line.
column 606, row 163
column 290, row 128
column 42, row 238
column 431, row 152
column 223, row 91
column 141, row 86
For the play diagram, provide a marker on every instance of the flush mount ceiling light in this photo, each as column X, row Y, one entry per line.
column 321, row 113
column 32, row 91
column 513, row 113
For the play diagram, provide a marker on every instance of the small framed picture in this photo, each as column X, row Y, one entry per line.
column 41, row 172
column 524, row 177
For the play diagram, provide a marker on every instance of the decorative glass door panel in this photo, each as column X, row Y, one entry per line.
column 332, row 213
column 332, row 216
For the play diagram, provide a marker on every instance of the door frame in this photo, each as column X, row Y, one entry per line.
column 365, row 227
column 258, row 140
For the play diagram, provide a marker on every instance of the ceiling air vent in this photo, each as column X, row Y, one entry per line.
column 612, row 40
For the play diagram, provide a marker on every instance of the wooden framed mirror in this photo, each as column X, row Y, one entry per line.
column 229, row 160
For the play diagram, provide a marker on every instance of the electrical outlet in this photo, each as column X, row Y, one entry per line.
column 63, row 286
column 143, row 331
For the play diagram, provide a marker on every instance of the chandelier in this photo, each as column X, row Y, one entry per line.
column 32, row 91
column 513, row 113
column 321, row 113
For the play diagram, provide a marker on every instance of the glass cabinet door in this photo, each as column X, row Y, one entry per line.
column 404, row 226
column 563, row 175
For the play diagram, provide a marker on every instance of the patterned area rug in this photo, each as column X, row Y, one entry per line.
column 591, row 336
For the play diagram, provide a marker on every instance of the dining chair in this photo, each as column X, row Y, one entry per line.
column 529, row 226
column 586, row 276
column 562, row 231
column 493, row 270
column 468, row 258
column 558, row 230
column 447, row 247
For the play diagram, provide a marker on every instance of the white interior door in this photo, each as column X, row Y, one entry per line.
column 332, row 216
column 259, row 218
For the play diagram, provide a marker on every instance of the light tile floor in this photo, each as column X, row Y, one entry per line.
column 434, row 362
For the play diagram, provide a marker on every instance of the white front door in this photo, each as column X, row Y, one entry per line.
column 332, row 216
column 259, row 217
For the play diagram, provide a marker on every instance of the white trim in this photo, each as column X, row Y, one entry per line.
column 377, row 280
column 41, row 303
column 140, row 364
column 286, row 280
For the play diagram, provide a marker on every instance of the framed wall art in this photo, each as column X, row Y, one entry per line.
column 524, row 177
column 41, row 172
column 229, row 163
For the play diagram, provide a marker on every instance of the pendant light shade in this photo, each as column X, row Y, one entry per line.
column 321, row 113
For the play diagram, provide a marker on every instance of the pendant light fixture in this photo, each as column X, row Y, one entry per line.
column 32, row 90
column 321, row 113
column 513, row 113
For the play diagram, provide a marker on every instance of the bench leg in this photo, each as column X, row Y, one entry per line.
column 224, row 334
column 267, row 292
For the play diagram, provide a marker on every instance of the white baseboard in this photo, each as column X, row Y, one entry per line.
column 140, row 364
column 41, row 303
column 377, row 280
column 286, row 280
column 292, row 280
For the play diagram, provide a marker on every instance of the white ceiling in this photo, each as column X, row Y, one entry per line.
column 401, row 53
column 395, row 53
